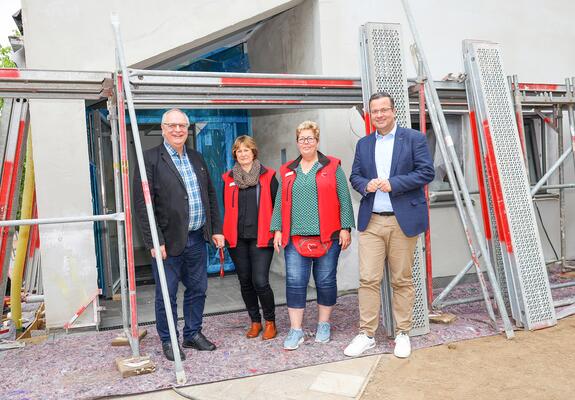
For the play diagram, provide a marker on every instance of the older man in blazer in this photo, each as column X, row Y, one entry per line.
column 390, row 169
column 187, row 216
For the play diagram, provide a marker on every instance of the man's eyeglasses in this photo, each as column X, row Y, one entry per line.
column 384, row 110
column 310, row 140
column 175, row 126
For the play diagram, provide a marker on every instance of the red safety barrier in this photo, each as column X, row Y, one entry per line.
column 9, row 178
column 128, row 209
column 9, row 73
column 496, row 191
column 278, row 82
column 480, row 178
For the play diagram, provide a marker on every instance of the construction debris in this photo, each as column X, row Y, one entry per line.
column 134, row 366
column 442, row 318
column 122, row 340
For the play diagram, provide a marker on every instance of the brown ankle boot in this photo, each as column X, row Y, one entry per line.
column 254, row 330
column 270, row 330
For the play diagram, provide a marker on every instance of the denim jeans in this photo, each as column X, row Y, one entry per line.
column 189, row 268
column 298, row 271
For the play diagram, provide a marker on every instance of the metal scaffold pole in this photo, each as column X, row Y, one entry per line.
column 128, row 211
column 423, row 129
column 179, row 370
column 570, row 89
column 444, row 139
column 113, row 118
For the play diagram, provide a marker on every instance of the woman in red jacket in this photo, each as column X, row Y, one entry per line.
column 249, row 194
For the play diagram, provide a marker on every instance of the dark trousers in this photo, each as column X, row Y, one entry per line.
column 189, row 268
column 253, row 269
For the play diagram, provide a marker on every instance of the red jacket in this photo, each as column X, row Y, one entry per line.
column 266, row 206
column 328, row 201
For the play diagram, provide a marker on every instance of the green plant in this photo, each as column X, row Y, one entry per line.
column 5, row 62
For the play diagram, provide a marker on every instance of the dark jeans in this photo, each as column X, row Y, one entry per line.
column 189, row 268
column 253, row 269
column 298, row 271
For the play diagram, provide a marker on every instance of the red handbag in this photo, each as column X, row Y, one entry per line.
column 310, row 246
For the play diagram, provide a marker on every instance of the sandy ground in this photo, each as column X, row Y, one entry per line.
column 534, row 365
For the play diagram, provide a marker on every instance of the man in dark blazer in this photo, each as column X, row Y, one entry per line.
column 187, row 216
column 390, row 169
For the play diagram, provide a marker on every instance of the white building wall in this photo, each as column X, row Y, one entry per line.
column 318, row 37
column 63, row 190
column 535, row 40
column 288, row 43
column 67, row 34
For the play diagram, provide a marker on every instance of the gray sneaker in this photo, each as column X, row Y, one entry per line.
column 323, row 332
column 293, row 339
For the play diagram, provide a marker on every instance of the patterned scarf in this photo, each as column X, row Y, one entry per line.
column 246, row 179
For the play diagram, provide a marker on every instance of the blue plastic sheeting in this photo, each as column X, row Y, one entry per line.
column 96, row 207
column 232, row 59
column 219, row 129
column 215, row 142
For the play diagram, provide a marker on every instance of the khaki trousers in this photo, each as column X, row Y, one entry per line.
column 384, row 240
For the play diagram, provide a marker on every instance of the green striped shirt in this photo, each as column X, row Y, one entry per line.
column 304, row 208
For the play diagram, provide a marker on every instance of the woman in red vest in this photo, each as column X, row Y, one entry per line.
column 312, row 220
column 249, row 193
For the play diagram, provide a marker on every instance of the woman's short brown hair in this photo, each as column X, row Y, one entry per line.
column 247, row 141
column 311, row 125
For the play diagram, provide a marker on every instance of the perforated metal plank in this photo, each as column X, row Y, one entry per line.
column 383, row 69
column 504, row 262
column 518, row 225
column 489, row 220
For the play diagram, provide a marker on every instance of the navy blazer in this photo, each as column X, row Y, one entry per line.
column 411, row 170
column 170, row 199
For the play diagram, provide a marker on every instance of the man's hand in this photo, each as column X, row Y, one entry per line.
column 162, row 251
column 384, row 185
column 344, row 239
column 277, row 241
column 219, row 240
column 372, row 185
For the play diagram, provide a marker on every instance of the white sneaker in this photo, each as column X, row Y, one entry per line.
column 402, row 346
column 358, row 345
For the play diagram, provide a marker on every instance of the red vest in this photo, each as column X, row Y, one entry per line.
column 328, row 202
column 266, row 206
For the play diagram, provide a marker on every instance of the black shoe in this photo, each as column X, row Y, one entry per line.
column 199, row 342
column 169, row 351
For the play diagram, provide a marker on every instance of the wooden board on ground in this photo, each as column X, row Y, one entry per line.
column 37, row 324
column 122, row 340
column 134, row 366
column 443, row 318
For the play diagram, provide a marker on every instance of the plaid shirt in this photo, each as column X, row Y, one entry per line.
column 184, row 167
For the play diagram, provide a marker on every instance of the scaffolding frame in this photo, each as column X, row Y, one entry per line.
column 45, row 84
column 538, row 99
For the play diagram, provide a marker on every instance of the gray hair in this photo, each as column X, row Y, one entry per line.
column 165, row 115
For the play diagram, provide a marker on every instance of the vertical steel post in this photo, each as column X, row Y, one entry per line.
column 423, row 129
column 113, row 118
column 514, row 84
column 104, row 231
column 180, row 373
column 571, row 94
column 558, row 119
column 436, row 112
column 449, row 162
column 127, row 213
